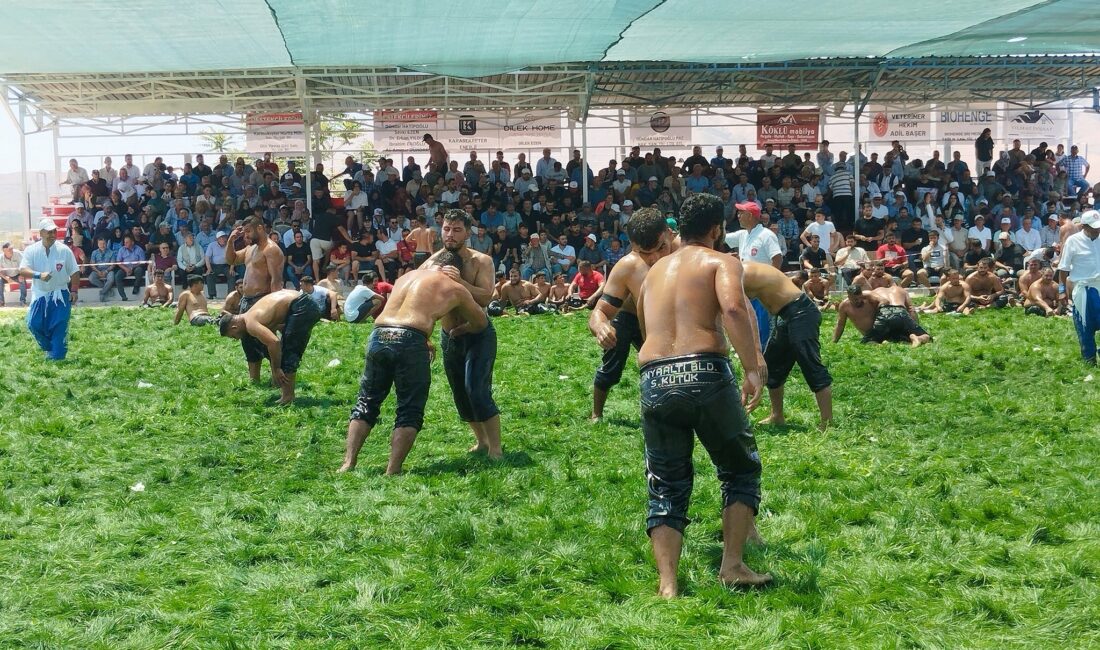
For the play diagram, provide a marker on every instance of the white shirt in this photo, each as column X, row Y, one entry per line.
column 359, row 298
column 288, row 236
column 58, row 261
column 757, row 245
column 1029, row 240
column 108, row 175
column 76, row 176
column 132, row 172
column 1080, row 256
column 985, row 235
column 319, row 296
column 559, row 251
column 385, row 247
column 823, row 230
column 937, row 255
column 810, row 191
column 856, row 257
column 354, row 201
column 880, row 211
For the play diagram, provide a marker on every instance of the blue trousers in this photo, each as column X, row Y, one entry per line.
column 1086, row 318
column 763, row 322
column 48, row 321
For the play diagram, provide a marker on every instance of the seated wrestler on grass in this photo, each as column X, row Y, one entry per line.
column 986, row 289
column 881, row 315
column 518, row 294
column 291, row 312
column 1042, row 296
column 232, row 304
column 818, row 290
column 953, row 296
column 193, row 303
column 400, row 351
column 157, row 294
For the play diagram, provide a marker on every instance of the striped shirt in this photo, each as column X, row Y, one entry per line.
column 840, row 184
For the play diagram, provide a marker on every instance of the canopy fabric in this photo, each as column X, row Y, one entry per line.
column 487, row 37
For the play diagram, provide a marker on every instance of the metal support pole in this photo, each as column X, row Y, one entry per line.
column 56, row 136
column 23, row 160
column 855, row 162
column 307, row 122
column 584, row 157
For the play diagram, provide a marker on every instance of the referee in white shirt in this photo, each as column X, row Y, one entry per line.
column 1079, row 271
column 756, row 243
column 52, row 267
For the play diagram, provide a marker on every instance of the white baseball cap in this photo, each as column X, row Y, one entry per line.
column 628, row 203
column 1091, row 218
column 615, row 207
column 591, row 236
column 653, row 179
column 954, row 185
column 1006, row 219
column 47, row 224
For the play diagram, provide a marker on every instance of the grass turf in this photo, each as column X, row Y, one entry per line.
column 953, row 505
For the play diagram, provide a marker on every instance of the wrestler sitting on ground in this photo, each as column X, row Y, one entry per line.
column 986, row 289
column 818, row 290
column 157, row 294
column 1042, row 296
column 193, row 303
column 232, row 304
column 953, row 296
column 291, row 312
column 400, row 351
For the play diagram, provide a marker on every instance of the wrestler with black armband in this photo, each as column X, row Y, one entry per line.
column 614, row 319
column 692, row 300
column 400, row 351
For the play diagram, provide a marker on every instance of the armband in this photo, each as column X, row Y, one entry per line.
column 612, row 300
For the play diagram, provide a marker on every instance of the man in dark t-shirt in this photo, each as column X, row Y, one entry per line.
column 913, row 240
column 298, row 260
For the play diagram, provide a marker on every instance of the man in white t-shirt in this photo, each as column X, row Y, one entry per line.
column 980, row 232
column 878, row 208
column 850, row 259
column 825, row 230
column 562, row 257
column 1079, row 271
column 361, row 302
column 936, row 258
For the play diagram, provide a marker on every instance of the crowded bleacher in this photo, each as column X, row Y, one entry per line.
column 917, row 218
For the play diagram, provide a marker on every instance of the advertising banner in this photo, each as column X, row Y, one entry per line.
column 964, row 123
column 1036, row 124
column 404, row 130
column 902, row 124
column 802, row 128
column 275, row 133
column 669, row 129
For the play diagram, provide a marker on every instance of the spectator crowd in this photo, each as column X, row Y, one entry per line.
column 915, row 218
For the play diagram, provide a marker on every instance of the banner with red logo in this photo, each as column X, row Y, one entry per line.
column 802, row 128
column 911, row 124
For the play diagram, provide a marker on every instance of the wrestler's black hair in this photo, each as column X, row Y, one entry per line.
column 645, row 228
column 855, row 290
column 306, row 278
column 448, row 258
column 224, row 322
column 454, row 214
column 699, row 214
column 369, row 277
column 192, row 279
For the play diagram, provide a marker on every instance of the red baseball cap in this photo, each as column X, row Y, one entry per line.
column 752, row 207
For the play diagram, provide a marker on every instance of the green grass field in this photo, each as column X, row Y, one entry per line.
column 956, row 502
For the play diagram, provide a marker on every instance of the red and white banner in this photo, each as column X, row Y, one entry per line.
column 275, row 133
column 905, row 124
column 802, row 128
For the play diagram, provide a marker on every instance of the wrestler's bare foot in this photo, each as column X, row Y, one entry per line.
column 824, row 425
column 667, row 591
column 740, row 575
column 777, row 420
column 477, row 449
column 346, row 467
column 496, row 454
column 595, row 418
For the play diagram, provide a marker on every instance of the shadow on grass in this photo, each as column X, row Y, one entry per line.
column 467, row 463
column 309, row 402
